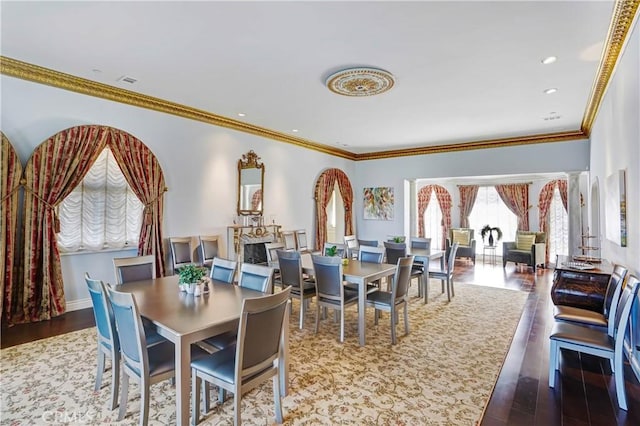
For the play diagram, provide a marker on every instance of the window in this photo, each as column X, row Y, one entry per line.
column 558, row 227
column 102, row 212
column 433, row 221
column 489, row 209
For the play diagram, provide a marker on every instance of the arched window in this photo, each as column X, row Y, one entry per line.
column 489, row 209
column 433, row 221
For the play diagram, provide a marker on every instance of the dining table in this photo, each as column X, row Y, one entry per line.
column 185, row 319
column 425, row 256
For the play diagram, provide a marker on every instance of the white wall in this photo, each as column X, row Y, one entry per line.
column 199, row 163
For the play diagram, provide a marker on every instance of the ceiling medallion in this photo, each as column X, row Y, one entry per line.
column 360, row 82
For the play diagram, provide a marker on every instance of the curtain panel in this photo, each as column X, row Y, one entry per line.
column 424, row 195
column 9, row 195
column 516, row 198
column 255, row 199
column 444, row 199
column 544, row 203
column 468, row 194
column 324, row 188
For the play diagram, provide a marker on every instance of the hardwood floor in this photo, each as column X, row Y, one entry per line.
column 584, row 393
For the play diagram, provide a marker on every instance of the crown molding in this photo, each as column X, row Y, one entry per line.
column 468, row 146
column 624, row 12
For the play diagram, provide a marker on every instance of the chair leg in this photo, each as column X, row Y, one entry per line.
column 342, row 325
column 302, row 311
column 317, row 317
column 448, row 290
column 277, row 400
column 124, row 395
column 406, row 317
column 222, row 395
column 553, row 362
column 453, row 291
column 376, row 317
column 115, row 380
column 144, row 403
column 206, row 399
column 236, row 408
column 426, row 291
column 619, row 378
column 196, row 382
column 100, row 370
column 393, row 325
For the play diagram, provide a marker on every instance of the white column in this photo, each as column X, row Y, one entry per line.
column 413, row 209
column 574, row 212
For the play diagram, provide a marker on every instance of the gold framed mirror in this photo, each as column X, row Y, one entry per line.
column 250, row 185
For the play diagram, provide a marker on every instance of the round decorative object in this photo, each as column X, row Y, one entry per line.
column 360, row 82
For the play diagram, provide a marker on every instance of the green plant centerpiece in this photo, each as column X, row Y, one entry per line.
column 331, row 251
column 190, row 274
column 488, row 230
column 398, row 239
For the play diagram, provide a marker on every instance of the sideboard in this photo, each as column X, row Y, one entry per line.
column 581, row 288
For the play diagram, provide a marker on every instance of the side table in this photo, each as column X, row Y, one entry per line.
column 491, row 251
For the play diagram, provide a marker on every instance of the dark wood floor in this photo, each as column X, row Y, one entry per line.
column 584, row 393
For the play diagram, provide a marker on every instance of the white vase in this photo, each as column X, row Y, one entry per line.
column 197, row 291
column 191, row 287
column 183, row 287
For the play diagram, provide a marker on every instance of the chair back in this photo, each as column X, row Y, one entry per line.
column 341, row 249
column 623, row 312
column 208, row 248
column 402, row 278
column 290, row 268
column 614, row 289
column 130, row 332
column 259, row 333
column 289, row 240
column 370, row 243
column 272, row 251
column 371, row 254
column 328, row 270
column 421, row 243
column 351, row 243
column 135, row 268
column 301, row 240
column 103, row 314
column 256, row 277
column 395, row 251
column 181, row 254
column 451, row 261
column 223, row 270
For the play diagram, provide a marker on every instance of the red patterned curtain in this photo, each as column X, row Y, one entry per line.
column 516, row 197
column 256, row 198
column 324, row 188
column 544, row 202
column 9, row 194
column 562, row 187
column 55, row 168
column 144, row 175
column 424, row 195
column 444, row 199
column 468, row 195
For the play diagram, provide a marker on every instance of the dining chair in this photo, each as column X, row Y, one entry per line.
column 255, row 358
column 108, row 344
column 352, row 246
column 370, row 243
column 331, row 292
column 181, row 254
column 301, row 240
column 289, row 240
column 135, row 268
column 603, row 319
column 223, row 270
column 370, row 255
column 140, row 363
column 341, row 249
column 390, row 301
column 208, row 245
column 597, row 342
column 256, row 277
column 421, row 243
column 444, row 275
column 395, row 251
column 291, row 274
column 271, row 250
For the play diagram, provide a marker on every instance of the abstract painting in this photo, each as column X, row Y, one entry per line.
column 378, row 203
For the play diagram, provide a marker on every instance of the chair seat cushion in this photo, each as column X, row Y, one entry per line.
column 220, row 364
column 580, row 335
column 578, row 315
column 308, row 286
column 355, row 287
column 379, row 298
column 222, row 341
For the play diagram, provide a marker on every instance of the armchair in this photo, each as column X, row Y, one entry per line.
column 528, row 248
column 466, row 243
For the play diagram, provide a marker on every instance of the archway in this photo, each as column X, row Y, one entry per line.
column 325, row 185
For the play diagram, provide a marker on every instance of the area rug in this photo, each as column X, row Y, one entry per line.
column 441, row 373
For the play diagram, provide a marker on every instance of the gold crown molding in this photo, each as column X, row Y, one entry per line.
column 624, row 12
column 37, row 74
column 468, row 146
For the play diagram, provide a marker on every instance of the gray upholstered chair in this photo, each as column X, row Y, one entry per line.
column 352, row 246
column 331, row 292
column 135, row 268
column 597, row 341
column 271, row 249
column 444, row 275
column 397, row 297
column 223, row 270
column 301, row 240
column 254, row 359
column 528, row 248
column 370, row 255
column 291, row 275
column 143, row 364
column 371, row 243
column 208, row 245
column 396, row 251
column 256, row 277
column 181, row 253
column 421, row 243
column 289, row 240
column 597, row 319
column 466, row 243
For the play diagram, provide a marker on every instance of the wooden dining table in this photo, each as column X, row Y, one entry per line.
column 185, row 319
column 425, row 256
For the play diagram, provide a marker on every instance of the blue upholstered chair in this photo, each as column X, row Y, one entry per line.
column 256, row 277
column 291, row 275
column 223, row 270
column 444, row 275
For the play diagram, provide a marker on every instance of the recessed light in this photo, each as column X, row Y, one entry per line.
column 294, row 130
column 551, row 90
column 128, row 79
column 549, row 60
column 241, row 114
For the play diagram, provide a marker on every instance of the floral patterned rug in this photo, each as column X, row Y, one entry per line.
column 443, row 372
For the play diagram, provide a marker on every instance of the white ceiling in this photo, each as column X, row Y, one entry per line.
column 464, row 71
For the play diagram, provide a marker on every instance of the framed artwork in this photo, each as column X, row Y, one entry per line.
column 378, row 203
column 616, row 208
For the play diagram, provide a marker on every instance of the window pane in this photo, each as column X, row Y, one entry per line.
column 489, row 209
column 558, row 227
column 433, row 222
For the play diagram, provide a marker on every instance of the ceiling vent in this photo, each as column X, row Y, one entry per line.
column 128, row 79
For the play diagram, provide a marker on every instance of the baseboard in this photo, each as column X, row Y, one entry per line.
column 76, row 305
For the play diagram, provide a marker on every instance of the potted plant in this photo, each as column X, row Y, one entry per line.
column 488, row 230
column 189, row 277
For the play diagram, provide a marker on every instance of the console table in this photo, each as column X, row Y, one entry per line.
column 581, row 288
column 239, row 235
